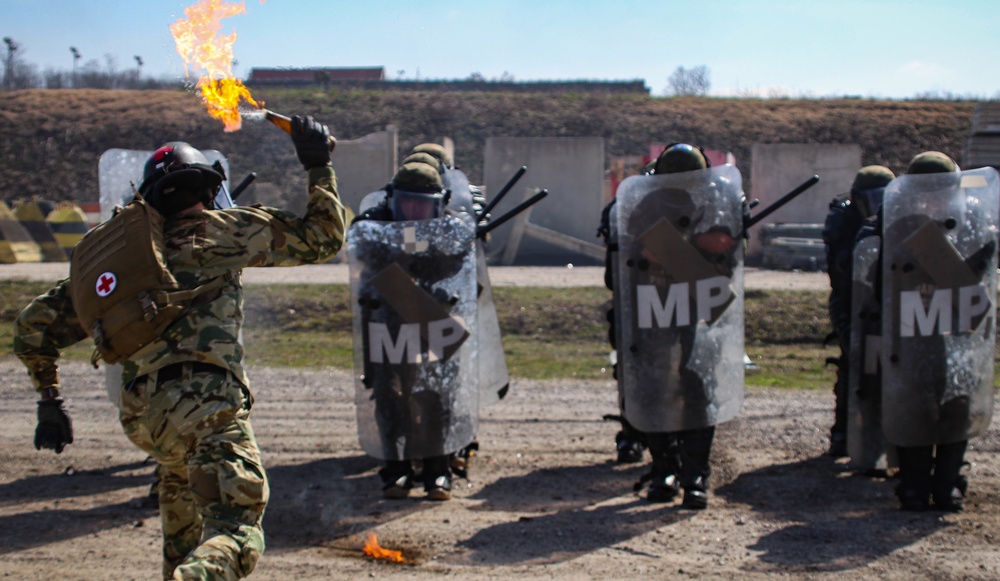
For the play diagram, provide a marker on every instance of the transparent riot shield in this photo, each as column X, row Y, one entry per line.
column 679, row 296
column 371, row 200
column 413, row 290
column 939, row 302
column 460, row 197
column 494, row 379
column 117, row 171
column 866, row 443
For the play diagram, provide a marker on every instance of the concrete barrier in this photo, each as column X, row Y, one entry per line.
column 31, row 215
column 16, row 245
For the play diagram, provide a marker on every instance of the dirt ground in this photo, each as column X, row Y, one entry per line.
column 544, row 499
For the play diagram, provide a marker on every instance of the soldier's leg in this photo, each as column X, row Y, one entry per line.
column 664, row 484
column 181, row 522
column 915, row 465
column 948, row 485
column 205, row 428
column 838, row 432
column 695, row 452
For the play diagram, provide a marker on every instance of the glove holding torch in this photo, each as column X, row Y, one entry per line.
column 313, row 142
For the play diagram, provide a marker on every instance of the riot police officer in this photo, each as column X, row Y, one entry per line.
column 939, row 284
column 678, row 320
column 843, row 222
column 414, row 262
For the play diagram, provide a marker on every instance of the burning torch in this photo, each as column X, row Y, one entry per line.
column 285, row 123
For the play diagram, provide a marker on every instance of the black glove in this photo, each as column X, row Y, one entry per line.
column 312, row 141
column 55, row 429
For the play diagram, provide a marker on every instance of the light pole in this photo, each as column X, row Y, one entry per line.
column 138, row 68
column 8, row 77
column 76, row 57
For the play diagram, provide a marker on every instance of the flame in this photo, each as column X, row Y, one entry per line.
column 202, row 47
column 372, row 549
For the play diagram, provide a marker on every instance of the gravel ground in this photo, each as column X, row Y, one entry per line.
column 544, row 498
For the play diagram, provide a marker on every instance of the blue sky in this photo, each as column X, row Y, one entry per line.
column 816, row 48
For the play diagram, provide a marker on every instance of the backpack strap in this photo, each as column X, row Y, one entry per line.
column 164, row 298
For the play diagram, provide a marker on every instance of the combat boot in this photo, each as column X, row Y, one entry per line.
column 695, row 494
column 838, row 445
column 948, row 485
column 461, row 461
column 663, row 488
column 629, row 449
column 397, row 479
column 915, row 465
column 437, row 478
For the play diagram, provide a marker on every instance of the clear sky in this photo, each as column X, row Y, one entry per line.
column 813, row 48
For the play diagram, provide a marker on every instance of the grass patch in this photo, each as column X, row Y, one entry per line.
column 547, row 332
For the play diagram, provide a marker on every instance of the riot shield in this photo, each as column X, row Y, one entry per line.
column 940, row 287
column 866, row 443
column 413, row 291
column 117, row 171
column 371, row 200
column 460, row 199
column 679, row 298
column 494, row 379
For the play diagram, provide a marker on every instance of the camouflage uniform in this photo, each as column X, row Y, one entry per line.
column 185, row 398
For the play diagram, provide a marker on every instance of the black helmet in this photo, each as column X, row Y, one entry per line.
column 178, row 176
column 869, row 187
column 681, row 157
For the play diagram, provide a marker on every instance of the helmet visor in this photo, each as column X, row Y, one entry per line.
column 416, row 206
column 868, row 201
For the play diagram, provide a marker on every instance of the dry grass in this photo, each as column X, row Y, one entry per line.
column 52, row 138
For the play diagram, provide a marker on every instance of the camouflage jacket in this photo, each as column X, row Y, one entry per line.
column 200, row 246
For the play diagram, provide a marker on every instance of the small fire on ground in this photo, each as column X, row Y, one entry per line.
column 372, row 549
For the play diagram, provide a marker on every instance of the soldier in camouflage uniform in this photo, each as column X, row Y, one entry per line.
column 185, row 397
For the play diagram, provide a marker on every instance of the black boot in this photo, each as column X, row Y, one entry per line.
column 437, row 478
column 948, row 486
column 838, row 445
column 695, row 451
column 915, row 465
column 397, row 478
column 696, row 494
column 664, row 484
column 629, row 449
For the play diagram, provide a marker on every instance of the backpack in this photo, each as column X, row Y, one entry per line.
column 122, row 290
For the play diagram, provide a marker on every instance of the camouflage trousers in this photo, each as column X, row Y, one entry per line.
column 194, row 420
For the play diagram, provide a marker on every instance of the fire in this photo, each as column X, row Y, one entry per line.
column 202, row 47
column 372, row 549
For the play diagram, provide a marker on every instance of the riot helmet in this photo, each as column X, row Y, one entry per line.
column 416, row 192
column 427, row 158
column 934, row 171
column 436, row 151
column 869, row 187
column 681, row 157
column 178, row 176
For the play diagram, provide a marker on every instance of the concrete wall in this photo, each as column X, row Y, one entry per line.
column 776, row 169
column 364, row 165
column 571, row 168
